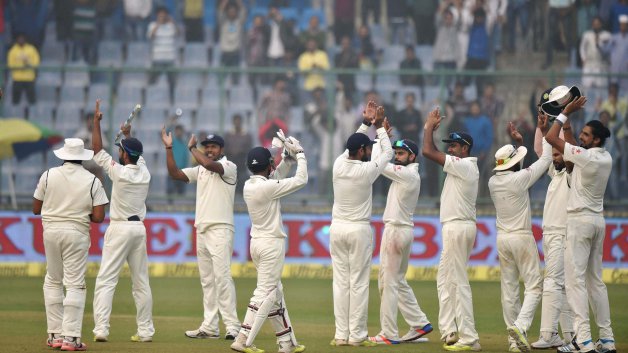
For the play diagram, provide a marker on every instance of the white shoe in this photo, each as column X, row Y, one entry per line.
column 605, row 345
column 288, row 347
column 416, row 333
column 381, row 339
column 239, row 345
column 338, row 342
column 450, row 338
column 575, row 347
column 137, row 338
column 519, row 335
column 553, row 342
column 200, row 334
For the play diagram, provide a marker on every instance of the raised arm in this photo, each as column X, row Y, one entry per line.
column 96, row 134
column 553, row 135
column 203, row 160
column 173, row 170
column 430, row 151
column 567, row 134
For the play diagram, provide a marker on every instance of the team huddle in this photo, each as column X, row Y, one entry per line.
column 573, row 234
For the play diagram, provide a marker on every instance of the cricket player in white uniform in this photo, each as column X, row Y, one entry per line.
column 457, row 214
column 216, row 179
column 554, row 306
column 262, row 193
column 586, row 230
column 125, row 238
column 516, row 246
column 394, row 291
column 66, row 213
column 351, row 235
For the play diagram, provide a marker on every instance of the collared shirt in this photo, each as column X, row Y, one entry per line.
column 460, row 190
column 262, row 198
column 69, row 193
column 353, row 182
column 130, row 186
column 555, row 208
column 317, row 60
column 23, row 60
column 163, row 43
column 403, row 193
column 214, row 194
column 592, row 168
column 509, row 191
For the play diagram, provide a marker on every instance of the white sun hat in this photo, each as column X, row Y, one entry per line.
column 508, row 156
column 74, row 150
column 558, row 98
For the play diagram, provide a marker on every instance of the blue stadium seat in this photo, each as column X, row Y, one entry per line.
column 68, row 118
column 51, row 78
column 110, row 53
column 138, row 54
column 53, row 53
column 43, row 113
column 98, row 91
column 72, row 95
column 14, row 111
column 290, row 13
column 46, row 93
column 255, row 11
column 129, row 95
column 186, row 97
column 76, row 74
column 195, row 55
column 157, row 96
column 190, row 80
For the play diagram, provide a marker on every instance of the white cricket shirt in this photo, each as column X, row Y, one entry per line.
column 130, row 186
column 353, row 182
column 460, row 190
column 403, row 193
column 69, row 193
column 214, row 194
column 592, row 167
column 509, row 191
column 262, row 198
column 555, row 208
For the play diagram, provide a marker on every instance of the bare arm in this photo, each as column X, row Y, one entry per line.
column 203, row 160
column 98, row 214
column 568, row 134
column 515, row 134
column 553, row 135
column 430, row 151
column 96, row 134
column 174, row 172
column 37, row 204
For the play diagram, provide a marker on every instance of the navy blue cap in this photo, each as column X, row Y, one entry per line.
column 215, row 139
column 407, row 145
column 460, row 137
column 258, row 159
column 132, row 146
column 357, row 141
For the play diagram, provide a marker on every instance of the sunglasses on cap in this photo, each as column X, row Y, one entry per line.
column 456, row 136
column 402, row 144
column 507, row 159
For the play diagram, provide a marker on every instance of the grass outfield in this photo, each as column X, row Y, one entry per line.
column 177, row 307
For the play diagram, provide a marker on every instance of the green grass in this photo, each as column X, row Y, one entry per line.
column 177, row 307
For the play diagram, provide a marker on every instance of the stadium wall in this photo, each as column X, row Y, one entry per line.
column 171, row 246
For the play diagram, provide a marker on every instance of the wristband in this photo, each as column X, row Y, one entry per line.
column 562, row 118
column 190, row 148
column 367, row 122
column 168, row 147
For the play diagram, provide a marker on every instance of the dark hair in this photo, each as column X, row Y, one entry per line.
column 410, row 47
column 133, row 159
column 160, row 9
column 599, row 130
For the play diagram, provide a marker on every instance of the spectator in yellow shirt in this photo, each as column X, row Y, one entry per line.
column 313, row 61
column 23, row 59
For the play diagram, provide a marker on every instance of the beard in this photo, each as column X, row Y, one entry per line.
column 366, row 158
column 121, row 161
column 559, row 166
column 402, row 163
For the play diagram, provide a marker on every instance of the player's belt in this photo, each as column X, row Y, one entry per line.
column 133, row 218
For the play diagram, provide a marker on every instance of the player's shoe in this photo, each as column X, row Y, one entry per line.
column 604, row 345
column 584, row 347
column 100, row 338
column 416, row 333
column 519, row 335
column 338, row 342
column 200, row 334
column 54, row 342
column 450, row 338
column 73, row 344
column 230, row 336
column 513, row 348
column 366, row 343
column 239, row 345
column 381, row 339
column 288, row 347
column 460, row 347
column 543, row 343
column 137, row 338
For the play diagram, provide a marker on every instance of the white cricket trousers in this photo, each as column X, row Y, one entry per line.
column 455, row 300
column 583, row 274
column 394, row 291
column 519, row 257
column 124, row 242
column 554, row 307
column 214, row 247
column 66, row 262
column 351, row 248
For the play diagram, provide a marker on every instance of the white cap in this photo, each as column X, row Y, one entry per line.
column 74, row 150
